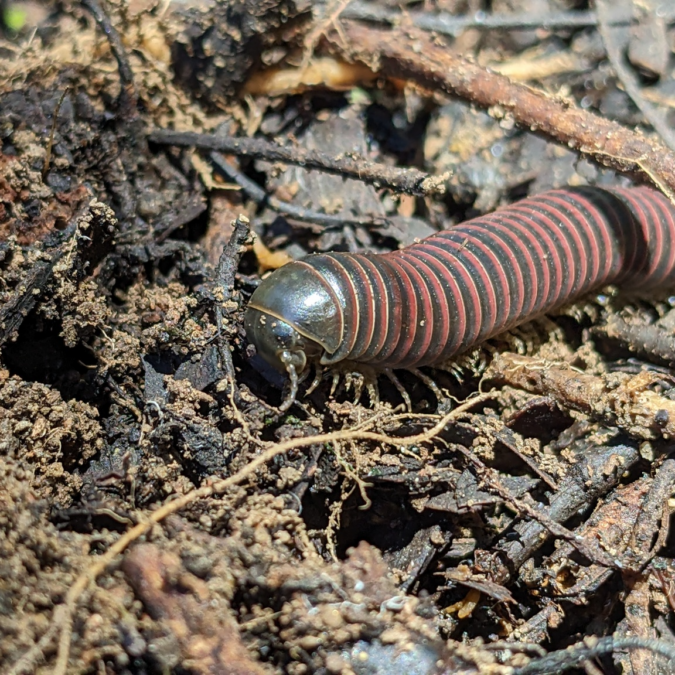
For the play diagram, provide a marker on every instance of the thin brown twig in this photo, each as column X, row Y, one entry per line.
column 225, row 273
column 62, row 619
column 409, row 181
column 412, row 55
column 128, row 98
column 629, row 80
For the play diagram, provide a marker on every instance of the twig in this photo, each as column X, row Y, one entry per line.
column 413, row 55
column 62, row 619
column 225, row 274
column 50, row 144
column 588, row 548
column 505, row 439
column 262, row 198
column 611, row 524
column 630, row 82
column 191, row 210
column 565, row 659
column 21, row 302
column 448, row 24
column 128, row 99
column 230, row 257
column 536, row 628
column 651, row 340
column 409, row 181
column 631, row 406
column 331, row 11
column 587, row 480
column 648, row 537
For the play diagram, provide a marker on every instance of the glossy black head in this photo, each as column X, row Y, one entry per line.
column 293, row 318
column 278, row 342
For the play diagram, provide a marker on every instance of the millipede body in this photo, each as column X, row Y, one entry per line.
column 432, row 300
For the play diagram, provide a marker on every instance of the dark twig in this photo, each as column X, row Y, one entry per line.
column 23, row 300
column 573, row 656
column 629, row 80
column 648, row 537
column 505, row 437
column 128, row 99
column 413, row 55
column 536, row 628
column 448, row 24
column 230, row 257
column 409, row 181
column 193, row 208
column 262, row 198
column 50, row 144
column 587, row 481
column 650, row 340
column 490, row 477
column 225, row 275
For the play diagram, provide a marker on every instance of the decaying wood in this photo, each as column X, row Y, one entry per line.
column 180, row 601
column 595, row 474
column 653, row 341
column 625, row 402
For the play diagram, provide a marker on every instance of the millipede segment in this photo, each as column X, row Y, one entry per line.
column 432, row 300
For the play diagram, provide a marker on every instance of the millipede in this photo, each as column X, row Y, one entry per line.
column 430, row 301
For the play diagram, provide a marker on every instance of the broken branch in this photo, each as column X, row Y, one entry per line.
column 413, row 55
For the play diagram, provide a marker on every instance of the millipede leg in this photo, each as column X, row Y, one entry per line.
column 453, row 369
column 400, row 388
column 474, row 282
column 429, row 383
column 334, row 383
column 373, row 392
column 316, row 381
column 356, row 381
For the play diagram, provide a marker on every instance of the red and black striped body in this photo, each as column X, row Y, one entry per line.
column 437, row 298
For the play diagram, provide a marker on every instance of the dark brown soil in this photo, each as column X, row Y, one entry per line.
column 156, row 519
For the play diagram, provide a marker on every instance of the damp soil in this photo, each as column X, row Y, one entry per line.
column 159, row 513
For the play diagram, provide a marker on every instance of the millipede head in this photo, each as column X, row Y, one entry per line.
column 278, row 342
column 293, row 319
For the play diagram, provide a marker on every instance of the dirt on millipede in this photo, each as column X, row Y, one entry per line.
column 166, row 506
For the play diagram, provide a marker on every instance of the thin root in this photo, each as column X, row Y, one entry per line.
column 62, row 618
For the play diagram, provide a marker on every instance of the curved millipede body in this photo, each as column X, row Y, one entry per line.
column 434, row 299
